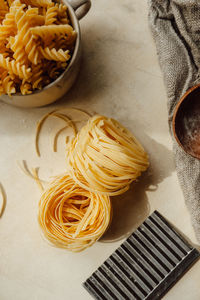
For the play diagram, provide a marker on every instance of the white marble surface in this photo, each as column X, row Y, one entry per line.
column 119, row 77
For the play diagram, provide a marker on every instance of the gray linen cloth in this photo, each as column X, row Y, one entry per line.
column 175, row 25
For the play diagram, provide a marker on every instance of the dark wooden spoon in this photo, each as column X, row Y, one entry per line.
column 186, row 122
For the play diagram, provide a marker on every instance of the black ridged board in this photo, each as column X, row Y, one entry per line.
column 145, row 266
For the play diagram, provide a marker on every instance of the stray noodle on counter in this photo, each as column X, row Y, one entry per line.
column 103, row 158
column 2, row 200
column 36, row 44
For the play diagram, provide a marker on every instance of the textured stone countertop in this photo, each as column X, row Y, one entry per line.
column 120, row 78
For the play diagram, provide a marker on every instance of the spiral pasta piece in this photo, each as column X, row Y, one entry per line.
column 1, row 88
column 10, row 2
column 8, row 26
column 106, row 155
column 72, row 217
column 63, row 42
column 36, row 78
column 23, row 37
column 53, row 54
column 51, row 15
column 61, row 10
column 14, row 67
column 7, row 83
column 39, row 3
column 3, row 9
column 52, row 69
column 52, row 30
column 25, row 88
column 3, row 5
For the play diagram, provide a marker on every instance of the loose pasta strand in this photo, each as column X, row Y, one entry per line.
column 38, row 129
column 24, row 167
column 38, row 181
column 3, row 200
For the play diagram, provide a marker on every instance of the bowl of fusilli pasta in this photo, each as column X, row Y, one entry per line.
column 40, row 49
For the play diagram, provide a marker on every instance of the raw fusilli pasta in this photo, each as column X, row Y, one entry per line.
column 3, row 5
column 51, row 15
column 25, row 88
column 52, row 30
column 14, row 67
column 39, row 3
column 7, row 83
column 53, row 54
column 37, row 76
column 36, row 44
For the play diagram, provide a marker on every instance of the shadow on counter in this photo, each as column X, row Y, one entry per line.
column 132, row 208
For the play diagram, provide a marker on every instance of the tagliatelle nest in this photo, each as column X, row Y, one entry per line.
column 105, row 156
column 72, row 217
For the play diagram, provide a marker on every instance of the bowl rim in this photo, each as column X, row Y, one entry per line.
column 174, row 118
column 76, row 27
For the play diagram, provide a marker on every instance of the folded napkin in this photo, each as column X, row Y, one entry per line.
column 175, row 25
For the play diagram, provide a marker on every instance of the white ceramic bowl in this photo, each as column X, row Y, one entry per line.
column 55, row 90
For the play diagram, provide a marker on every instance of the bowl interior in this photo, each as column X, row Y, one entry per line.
column 187, row 122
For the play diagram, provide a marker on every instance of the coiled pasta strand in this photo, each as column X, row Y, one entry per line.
column 14, row 67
